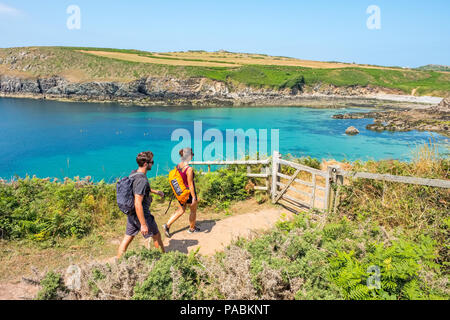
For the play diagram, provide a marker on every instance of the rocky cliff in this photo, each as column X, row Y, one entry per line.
column 170, row 91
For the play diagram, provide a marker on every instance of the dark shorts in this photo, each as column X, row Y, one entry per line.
column 134, row 226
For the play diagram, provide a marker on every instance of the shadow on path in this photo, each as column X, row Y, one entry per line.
column 205, row 227
column 181, row 245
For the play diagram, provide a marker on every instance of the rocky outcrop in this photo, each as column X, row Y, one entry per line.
column 144, row 90
column 443, row 107
column 436, row 119
column 190, row 91
column 147, row 90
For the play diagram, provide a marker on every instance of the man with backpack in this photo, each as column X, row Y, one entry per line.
column 134, row 199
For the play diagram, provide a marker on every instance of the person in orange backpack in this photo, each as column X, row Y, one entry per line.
column 187, row 177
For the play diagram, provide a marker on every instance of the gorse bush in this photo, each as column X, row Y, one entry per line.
column 39, row 209
column 296, row 260
column 221, row 187
column 52, row 287
column 161, row 183
column 173, row 276
column 215, row 189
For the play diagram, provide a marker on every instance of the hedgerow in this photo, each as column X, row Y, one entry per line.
column 39, row 209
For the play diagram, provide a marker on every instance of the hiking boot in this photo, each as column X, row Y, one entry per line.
column 196, row 229
column 166, row 231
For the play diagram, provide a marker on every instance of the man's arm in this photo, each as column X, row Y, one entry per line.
column 159, row 193
column 140, row 213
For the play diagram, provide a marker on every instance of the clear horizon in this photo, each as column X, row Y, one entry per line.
column 410, row 34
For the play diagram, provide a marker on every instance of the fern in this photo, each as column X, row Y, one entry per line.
column 398, row 264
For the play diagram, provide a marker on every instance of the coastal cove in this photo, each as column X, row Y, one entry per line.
column 101, row 140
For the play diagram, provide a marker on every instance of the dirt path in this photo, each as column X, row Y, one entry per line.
column 18, row 290
column 216, row 235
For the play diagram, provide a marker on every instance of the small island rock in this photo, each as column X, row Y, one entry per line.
column 351, row 131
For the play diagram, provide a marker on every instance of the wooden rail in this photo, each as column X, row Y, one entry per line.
column 438, row 183
column 334, row 174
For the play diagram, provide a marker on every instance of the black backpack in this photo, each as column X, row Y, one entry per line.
column 125, row 195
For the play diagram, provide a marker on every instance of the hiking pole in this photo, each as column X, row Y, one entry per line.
column 173, row 196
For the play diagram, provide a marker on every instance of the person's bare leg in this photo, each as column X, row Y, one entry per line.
column 157, row 241
column 124, row 245
column 180, row 211
column 193, row 216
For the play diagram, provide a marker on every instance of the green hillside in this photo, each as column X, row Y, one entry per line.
column 80, row 66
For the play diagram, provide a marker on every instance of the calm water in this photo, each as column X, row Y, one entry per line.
column 56, row 139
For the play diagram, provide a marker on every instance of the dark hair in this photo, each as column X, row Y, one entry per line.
column 144, row 157
column 181, row 152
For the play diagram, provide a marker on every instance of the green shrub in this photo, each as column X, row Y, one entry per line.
column 221, row 187
column 38, row 209
column 172, row 277
column 162, row 183
column 52, row 285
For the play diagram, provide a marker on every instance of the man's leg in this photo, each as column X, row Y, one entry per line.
column 193, row 216
column 157, row 241
column 124, row 245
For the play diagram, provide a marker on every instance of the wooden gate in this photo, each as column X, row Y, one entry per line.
column 299, row 187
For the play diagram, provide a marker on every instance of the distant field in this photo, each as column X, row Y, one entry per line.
column 79, row 64
column 157, row 59
column 222, row 59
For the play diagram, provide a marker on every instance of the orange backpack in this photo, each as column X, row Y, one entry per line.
column 180, row 190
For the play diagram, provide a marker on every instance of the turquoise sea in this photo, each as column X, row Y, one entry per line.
column 66, row 139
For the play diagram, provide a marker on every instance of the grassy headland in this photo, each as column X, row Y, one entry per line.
column 75, row 64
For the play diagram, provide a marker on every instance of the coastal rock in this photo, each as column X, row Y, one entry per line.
column 377, row 126
column 352, row 131
column 435, row 119
column 443, row 107
column 355, row 115
column 169, row 91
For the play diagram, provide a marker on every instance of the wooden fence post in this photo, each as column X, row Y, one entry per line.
column 339, row 183
column 275, row 169
column 332, row 178
column 328, row 188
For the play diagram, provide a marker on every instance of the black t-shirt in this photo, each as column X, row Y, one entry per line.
column 141, row 186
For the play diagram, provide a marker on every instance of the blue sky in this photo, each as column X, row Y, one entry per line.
column 412, row 33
